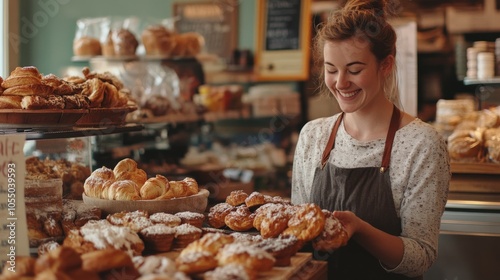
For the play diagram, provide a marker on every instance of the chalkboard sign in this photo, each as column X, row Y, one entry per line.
column 282, row 50
column 283, row 24
column 217, row 21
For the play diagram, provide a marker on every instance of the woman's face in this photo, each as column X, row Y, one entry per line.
column 353, row 75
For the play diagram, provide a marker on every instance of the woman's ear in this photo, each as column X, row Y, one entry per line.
column 387, row 65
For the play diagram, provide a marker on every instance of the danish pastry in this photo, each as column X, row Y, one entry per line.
column 217, row 214
column 255, row 199
column 272, row 219
column 240, row 219
column 236, row 197
column 251, row 257
column 306, row 223
column 333, row 236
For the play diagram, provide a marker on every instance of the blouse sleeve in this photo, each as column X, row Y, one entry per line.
column 423, row 201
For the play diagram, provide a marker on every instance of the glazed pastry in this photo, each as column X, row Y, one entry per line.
column 217, row 214
column 231, row 271
column 106, row 259
column 255, row 199
column 10, row 102
column 123, row 190
column 240, row 219
column 236, row 197
column 62, row 258
column 191, row 186
column 29, row 89
column 333, row 236
column 251, row 257
column 154, row 187
column 306, row 223
column 194, row 262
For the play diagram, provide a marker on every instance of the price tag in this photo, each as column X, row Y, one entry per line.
column 14, row 232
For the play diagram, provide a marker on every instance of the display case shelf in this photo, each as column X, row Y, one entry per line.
column 39, row 133
column 491, row 81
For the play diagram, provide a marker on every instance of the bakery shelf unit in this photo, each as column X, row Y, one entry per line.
column 486, row 90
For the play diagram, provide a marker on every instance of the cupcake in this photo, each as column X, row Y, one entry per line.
column 158, row 237
column 192, row 218
column 166, row 219
column 185, row 234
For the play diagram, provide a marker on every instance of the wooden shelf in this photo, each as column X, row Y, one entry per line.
column 492, row 81
column 475, row 168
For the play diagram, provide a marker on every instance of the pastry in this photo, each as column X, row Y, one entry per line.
column 154, row 187
column 192, row 218
column 29, row 89
column 158, row 40
column 104, row 77
column 217, row 214
column 59, row 86
column 24, row 267
column 123, row 190
column 139, row 223
column 76, row 101
column 20, row 76
column 272, row 219
column 307, row 222
column 255, row 199
column 333, row 236
column 126, row 169
column 94, row 89
column 106, row 259
column 47, row 247
column 251, row 257
column 194, row 262
column 240, row 219
column 191, row 186
column 10, row 102
column 120, row 42
column 124, row 217
column 86, row 46
column 185, row 234
column 104, row 173
column 34, row 102
column 158, row 237
column 210, row 242
column 62, row 258
column 236, row 197
column 231, row 271
column 465, row 145
column 282, row 248
column 166, row 219
column 154, row 264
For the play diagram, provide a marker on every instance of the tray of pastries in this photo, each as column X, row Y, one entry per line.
column 29, row 99
column 127, row 188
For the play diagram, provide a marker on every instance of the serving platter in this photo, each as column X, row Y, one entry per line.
column 21, row 118
column 105, row 117
column 194, row 203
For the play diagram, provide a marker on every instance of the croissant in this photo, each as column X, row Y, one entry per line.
column 59, row 86
column 10, row 102
column 104, row 173
column 27, row 75
column 192, row 186
column 124, row 166
column 91, row 186
column 29, row 89
column 154, row 187
column 94, row 90
column 111, row 98
column 123, row 190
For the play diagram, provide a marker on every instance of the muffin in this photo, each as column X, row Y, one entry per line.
column 166, row 219
column 192, row 218
column 158, row 237
column 185, row 234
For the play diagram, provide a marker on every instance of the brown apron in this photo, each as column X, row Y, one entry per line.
column 365, row 191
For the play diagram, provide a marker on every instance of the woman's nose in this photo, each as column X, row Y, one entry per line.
column 342, row 81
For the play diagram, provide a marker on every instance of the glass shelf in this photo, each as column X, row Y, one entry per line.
column 40, row 133
column 494, row 80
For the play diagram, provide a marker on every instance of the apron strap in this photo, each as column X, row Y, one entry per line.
column 393, row 127
column 386, row 158
column 331, row 141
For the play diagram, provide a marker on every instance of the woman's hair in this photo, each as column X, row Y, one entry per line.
column 365, row 22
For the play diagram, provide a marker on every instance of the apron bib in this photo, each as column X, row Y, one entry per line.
column 366, row 192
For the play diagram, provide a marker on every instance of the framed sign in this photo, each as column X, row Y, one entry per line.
column 283, row 39
column 217, row 21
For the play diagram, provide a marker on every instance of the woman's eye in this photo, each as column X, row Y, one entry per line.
column 355, row 72
column 330, row 71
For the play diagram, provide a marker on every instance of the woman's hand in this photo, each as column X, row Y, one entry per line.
column 385, row 247
column 349, row 220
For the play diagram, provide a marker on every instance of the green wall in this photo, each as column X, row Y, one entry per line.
column 47, row 27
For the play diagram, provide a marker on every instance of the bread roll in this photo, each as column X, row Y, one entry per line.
column 87, row 46
column 158, row 40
